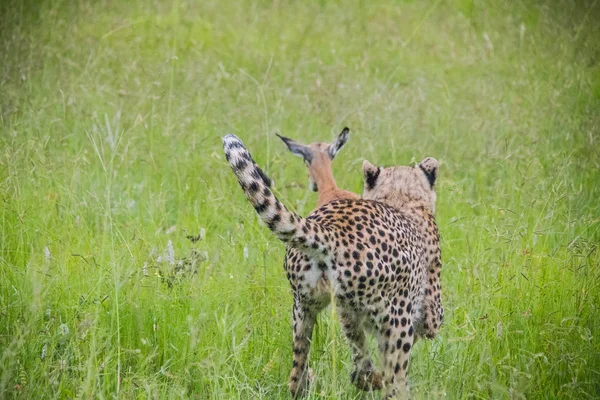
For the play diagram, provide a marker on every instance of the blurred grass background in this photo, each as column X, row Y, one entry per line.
column 111, row 115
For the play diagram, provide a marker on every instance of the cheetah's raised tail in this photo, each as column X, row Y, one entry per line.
column 289, row 227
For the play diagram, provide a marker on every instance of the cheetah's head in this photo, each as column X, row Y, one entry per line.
column 402, row 186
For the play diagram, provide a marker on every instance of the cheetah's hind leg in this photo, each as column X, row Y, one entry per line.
column 395, row 342
column 364, row 376
column 304, row 321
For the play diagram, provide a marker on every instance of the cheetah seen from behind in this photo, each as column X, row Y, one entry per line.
column 379, row 256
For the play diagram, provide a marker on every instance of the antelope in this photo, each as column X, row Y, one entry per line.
column 318, row 157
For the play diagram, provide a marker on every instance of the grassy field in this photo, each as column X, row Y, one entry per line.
column 111, row 115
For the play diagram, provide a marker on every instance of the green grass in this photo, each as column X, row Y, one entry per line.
column 111, row 115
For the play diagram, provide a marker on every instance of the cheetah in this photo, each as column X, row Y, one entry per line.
column 378, row 256
column 318, row 157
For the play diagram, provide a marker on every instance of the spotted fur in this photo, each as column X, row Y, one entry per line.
column 379, row 256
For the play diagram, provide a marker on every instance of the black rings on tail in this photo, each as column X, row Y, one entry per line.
column 289, row 227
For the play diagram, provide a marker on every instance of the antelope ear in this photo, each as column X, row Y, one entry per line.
column 370, row 174
column 430, row 166
column 297, row 149
column 337, row 145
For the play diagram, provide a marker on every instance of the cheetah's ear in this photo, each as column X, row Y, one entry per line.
column 370, row 174
column 430, row 166
column 297, row 148
column 337, row 145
